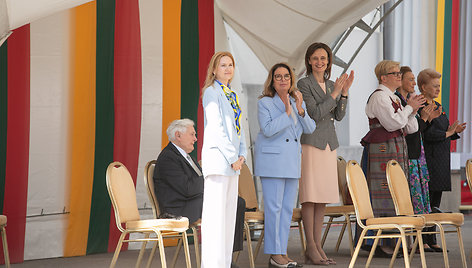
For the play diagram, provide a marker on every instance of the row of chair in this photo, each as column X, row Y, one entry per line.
column 355, row 202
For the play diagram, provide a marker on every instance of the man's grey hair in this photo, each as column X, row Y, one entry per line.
column 179, row 125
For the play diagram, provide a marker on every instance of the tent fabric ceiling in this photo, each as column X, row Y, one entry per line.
column 279, row 30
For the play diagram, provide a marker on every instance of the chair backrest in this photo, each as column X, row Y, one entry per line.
column 359, row 190
column 468, row 173
column 122, row 193
column 246, row 188
column 399, row 189
column 149, row 182
column 342, row 182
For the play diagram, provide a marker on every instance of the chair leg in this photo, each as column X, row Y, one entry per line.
column 325, row 234
column 5, row 247
column 176, row 254
column 461, row 246
column 405, row 249
column 349, row 231
column 395, row 253
column 341, row 234
column 249, row 245
column 413, row 248
column 197, row 246
column 186, row 251
column 374, row 245
column 302, row 237
column 259, row 244
column 443, row 244
column 161, row 248
column 151, row 256
column 141, row 251
column 419, row 237
column 358, row 248
column 117, row 250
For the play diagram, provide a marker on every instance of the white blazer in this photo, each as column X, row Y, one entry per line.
column 221, row 144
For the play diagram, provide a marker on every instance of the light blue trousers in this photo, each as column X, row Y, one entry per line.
column 279, row 201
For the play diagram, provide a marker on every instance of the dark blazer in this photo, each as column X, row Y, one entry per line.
column 437, row 149
column 178, row 188
column 413, row 140
column 322, row 108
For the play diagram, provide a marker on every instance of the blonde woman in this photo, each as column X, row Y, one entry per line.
column 223, row 154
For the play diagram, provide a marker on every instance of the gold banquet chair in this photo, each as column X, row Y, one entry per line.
column 468, row 173
column 254, row 220
column 3, row 224
column 123, row 198
column 406, row 225
column 345, row 210
column 149, row 182
column 400, row 191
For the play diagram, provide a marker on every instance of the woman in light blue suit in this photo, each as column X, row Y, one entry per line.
column 223, row 154
column 282, row 120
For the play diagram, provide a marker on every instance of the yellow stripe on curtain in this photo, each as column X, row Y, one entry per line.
column 440, row 40
column 82, row 128
column 171, row 65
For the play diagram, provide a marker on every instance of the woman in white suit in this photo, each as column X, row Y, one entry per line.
column 223, row 154
column 282, row 120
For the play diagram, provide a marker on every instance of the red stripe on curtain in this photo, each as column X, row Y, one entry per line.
column 18, row 129
column 454, row 82
column 128, row 85
column 206, row 31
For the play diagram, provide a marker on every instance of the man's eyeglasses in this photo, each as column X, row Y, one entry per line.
column 397, row 74
column 278, row 77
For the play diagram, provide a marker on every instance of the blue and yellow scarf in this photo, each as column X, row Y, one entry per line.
column 234, row 101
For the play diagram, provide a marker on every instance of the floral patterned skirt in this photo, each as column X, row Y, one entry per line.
column 418, row 181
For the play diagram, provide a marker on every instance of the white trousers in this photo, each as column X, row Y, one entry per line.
column 220, row 199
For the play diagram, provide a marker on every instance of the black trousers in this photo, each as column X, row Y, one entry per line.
column 435, row 201
column 239, row 228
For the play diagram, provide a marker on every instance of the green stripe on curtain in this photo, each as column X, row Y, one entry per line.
column 190, row 89
column 3, row 118
column 446, row 75
column 104, row 129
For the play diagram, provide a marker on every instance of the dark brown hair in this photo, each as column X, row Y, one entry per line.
column 269, row 90
column 310, row 50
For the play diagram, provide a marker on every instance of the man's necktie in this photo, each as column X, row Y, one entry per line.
column 194, row 166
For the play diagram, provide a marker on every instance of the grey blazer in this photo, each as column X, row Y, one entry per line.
column 322, row 108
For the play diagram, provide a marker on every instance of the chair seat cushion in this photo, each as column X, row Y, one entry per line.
column 404, row 221
column 445, row 218
column 254, row 216
column 180, row 225
column 3, row 219
column 339, row 209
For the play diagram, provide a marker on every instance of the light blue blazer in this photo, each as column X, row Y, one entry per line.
column 221, row 144
column 278, row 150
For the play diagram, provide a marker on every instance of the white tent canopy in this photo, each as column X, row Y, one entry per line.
column 282, row 30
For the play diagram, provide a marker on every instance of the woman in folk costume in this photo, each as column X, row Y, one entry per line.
column 223, row 154
column 389, row 122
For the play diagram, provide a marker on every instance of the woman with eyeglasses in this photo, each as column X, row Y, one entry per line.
column 326, row 101
column 282, row 120
column 223, row 154
column 388, row 122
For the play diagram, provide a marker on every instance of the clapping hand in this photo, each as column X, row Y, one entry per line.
column 348, row 84
column 298, row 99
column 461, row 127
column 339, row 85
column 416, row 102
column 426, row 112
column 435, row 113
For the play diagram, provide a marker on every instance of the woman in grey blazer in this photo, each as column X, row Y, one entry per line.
column 223, row 153
column 325, row 101
column 282, row 119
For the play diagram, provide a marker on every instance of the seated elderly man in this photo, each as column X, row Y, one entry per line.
column 179, row 181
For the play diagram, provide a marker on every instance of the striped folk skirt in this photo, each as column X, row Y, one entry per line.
column 374, row 163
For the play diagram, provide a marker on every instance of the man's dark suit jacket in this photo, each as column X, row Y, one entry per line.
column 178, row 188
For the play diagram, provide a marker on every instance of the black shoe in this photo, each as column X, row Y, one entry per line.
column 297, row 265
column 437, row 249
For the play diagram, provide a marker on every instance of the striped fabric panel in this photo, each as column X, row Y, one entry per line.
column 17, row 140
column 171, row 65
column 446, row 65
column 189, row 52
column 440, row 39
column 454, row 84
column 3, row 117
column 104, row 127
column 128, row 94
column 206, row 33
column 82, row 128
